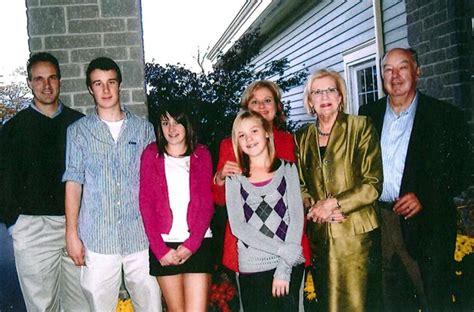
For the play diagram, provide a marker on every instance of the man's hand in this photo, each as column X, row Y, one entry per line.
column 280, row 288
column 408, row 206
column 75, row 249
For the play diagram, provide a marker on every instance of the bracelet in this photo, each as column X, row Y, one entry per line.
column 338, row 205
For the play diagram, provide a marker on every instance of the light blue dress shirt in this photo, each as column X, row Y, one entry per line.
column 109, row 217
column 396, row 132
column 58, row 111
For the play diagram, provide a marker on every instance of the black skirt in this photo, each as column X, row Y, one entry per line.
column 202, row 261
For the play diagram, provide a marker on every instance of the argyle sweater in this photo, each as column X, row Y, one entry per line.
column 268, row 221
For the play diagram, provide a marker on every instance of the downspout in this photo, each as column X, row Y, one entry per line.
column 379, row 44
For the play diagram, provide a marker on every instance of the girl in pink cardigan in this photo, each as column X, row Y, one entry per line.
column 176, row 205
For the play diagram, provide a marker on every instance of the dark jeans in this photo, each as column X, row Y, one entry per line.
column 256, row 291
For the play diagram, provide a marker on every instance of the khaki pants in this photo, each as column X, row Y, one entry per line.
column 101, row 278
column 395, row 258
column 49, row 280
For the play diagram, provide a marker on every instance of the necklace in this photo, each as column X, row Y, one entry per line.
column 320, row 132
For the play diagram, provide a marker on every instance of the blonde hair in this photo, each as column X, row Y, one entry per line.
column 321, row 73
column 243, row 159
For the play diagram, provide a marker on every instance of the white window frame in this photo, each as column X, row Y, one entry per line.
column 362, row 56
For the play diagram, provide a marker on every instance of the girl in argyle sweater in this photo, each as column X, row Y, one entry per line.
column 266, row 215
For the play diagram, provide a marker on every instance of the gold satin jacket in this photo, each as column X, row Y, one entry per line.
column 350, row 171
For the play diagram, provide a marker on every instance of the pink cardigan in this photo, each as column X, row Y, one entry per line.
column 154, row 201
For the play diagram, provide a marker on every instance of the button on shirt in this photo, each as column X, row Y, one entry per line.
column 109, row 217
column 394, row 141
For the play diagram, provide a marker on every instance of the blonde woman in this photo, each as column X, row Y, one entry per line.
column 340, row 169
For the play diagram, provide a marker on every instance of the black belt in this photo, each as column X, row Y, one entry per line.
column 386, row 205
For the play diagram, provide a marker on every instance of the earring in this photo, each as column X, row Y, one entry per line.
column 312, row 110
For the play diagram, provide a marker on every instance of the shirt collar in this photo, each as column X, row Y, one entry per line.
column 58, row 111
column 409, row 111
column 122, row 108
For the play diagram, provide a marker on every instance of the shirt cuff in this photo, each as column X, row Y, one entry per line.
column 73, row 176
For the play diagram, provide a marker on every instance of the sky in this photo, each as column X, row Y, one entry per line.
column 174, row 30
column 14, row 52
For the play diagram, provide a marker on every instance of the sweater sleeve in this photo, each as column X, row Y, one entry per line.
column 226, row 153
column 202, row 207
column 290, row 252
column 295, row 205
column 147, row 198
column 295, row 228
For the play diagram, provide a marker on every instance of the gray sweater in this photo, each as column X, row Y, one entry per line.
column 268, row 222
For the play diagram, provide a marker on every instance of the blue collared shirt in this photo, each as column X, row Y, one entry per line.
column 394, row 141
column 56, row 113
column 109, row 217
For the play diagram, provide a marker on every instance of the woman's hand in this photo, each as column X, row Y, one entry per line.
column 170, row 258
column 280, row 288
column 229, row 168
column 183, row 254
column 336, row 217
column 322, row 210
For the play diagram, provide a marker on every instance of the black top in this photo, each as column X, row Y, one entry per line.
column 32, row 161
column 322, row 150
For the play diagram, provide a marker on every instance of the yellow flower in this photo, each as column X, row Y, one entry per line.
column 309, row 290
column 124, row 306
column 464, row 247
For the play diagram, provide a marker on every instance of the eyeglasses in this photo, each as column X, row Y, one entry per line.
column 328, row 91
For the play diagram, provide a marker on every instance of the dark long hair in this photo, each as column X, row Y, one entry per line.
column 177, row 109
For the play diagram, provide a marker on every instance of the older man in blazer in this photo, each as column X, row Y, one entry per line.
column 424, row 150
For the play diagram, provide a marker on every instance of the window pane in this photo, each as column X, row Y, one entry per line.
column 367, row 85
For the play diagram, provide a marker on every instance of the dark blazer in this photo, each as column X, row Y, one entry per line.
column 436, row 169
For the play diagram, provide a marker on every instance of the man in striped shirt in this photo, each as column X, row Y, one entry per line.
column 104, row 229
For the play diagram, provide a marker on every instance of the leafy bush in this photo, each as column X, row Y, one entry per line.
column 215, row 97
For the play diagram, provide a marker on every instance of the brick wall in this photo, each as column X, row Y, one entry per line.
column 441, row 32
column 77, row 31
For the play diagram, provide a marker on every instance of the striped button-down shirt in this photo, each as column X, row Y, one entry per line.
column 109, row 217
column 394, row 141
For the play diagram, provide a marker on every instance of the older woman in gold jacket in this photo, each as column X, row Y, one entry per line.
column 340, row 168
